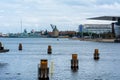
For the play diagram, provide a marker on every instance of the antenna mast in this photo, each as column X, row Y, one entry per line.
column 21, row 25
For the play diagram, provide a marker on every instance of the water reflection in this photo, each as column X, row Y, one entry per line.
column 3, row 64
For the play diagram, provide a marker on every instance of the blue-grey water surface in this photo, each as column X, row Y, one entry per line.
column 22, row 65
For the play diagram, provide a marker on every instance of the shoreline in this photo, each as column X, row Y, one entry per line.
column 95, row 40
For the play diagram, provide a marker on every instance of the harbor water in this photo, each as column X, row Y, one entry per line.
column 23, row 65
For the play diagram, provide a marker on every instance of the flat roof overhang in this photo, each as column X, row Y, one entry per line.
column 109, row 18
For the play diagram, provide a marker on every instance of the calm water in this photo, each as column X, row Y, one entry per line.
column 22, row 65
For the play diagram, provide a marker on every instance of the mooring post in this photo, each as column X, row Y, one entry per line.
column 1, row 48
column 74, row 62
column 43, row 70
column 49, row 49
column 96, row 54
column 20, row 46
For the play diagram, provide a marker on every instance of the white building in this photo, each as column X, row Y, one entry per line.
column 97, row 28
column 0, row 34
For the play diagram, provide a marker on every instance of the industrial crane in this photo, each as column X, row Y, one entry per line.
column 53, row 26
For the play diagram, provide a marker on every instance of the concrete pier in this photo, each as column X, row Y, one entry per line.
column 43, row 70
column 74, row 62
column 20, row 46
column 96, row 54
column 49, row 50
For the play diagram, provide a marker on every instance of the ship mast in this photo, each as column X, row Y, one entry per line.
column 21, row 25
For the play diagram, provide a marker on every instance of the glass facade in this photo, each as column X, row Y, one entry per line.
column 117, row 30
column 98, row 28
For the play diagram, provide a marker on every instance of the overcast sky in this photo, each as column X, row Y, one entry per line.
column 66, row 14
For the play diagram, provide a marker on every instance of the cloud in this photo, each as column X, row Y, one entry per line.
column 114, row 6
column 109, row 2
column 59, row 12
column 77, row 2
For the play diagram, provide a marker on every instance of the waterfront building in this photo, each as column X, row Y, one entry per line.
column 80, row 28
column 97, row 28
column 0, row 34
column 115, row 25
column 5, row 35
column 67, row 33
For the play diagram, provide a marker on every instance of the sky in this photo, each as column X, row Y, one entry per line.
column 65, row 14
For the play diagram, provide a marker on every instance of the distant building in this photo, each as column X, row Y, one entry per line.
column 67, row 33
column 80, row 28
column 98, row 28
column 0, row 34
column 55, row 32
column 25, row 31
column 5, row 35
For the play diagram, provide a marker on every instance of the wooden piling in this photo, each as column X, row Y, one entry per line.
column 49, row 49
column 1, row 47
column 20, row 46
column 96, row 54
column 43, row 70
column 0, row 44
column 74, row 62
